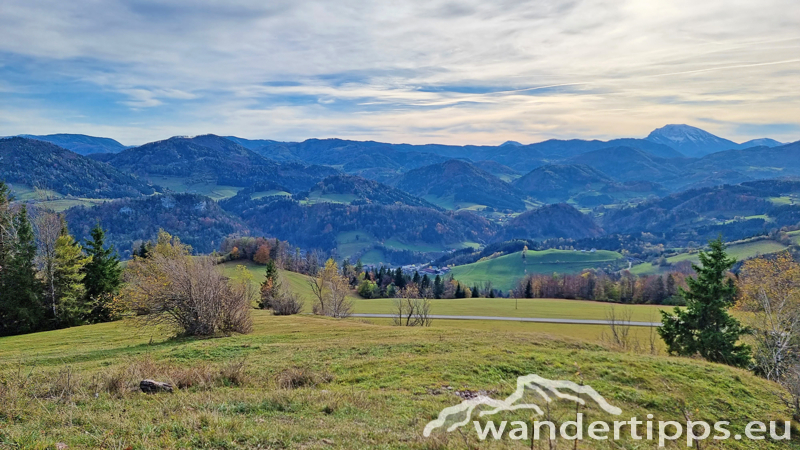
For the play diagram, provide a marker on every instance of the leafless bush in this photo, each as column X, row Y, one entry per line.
column 619, row 328
column 287, row 303
column 410, row 309
column 298, row 377
column 172, row 287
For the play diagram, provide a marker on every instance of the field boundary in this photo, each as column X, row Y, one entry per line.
column 518, row 319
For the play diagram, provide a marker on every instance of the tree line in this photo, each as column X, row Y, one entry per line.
column 600, row 286
column 48, row 280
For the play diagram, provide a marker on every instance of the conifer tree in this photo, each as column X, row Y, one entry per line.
column 359, row 267
column 72, row 307
column 529, row 289
column 399, row 279
column 6, row 250
column 438, row 287
column 271, row 286
column 103, row 276
column 705, row 327
column 21, row 306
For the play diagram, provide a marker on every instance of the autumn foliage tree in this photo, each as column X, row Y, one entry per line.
column 330, row 290
column 191, row 293
column 769, row 291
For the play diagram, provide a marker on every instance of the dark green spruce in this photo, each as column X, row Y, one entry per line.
column 103, row 276
column 705, row 326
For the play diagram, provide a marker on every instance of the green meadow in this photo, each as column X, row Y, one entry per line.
column 308, row 382
column 505, row 271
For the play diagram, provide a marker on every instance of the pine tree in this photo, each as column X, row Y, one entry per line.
column 271, row 286
column 671, row 286
column 438, row 287
column 399, row 279
column 426, row 282
column 659, row 292
column 529, row 289
column 72, row 307
column 103, row 276
column 459, row 292
column 705, row 327
column 21, row 305
column 475, row 291
column 6, row 250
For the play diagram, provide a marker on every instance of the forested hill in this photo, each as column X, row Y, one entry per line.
column 80, row 143
column 458, row 181
column 552, row 221
column 559, row 182
column 361, row 191
column 214, row 159
column 320, row 225
column 36, row 163
column 196, row 220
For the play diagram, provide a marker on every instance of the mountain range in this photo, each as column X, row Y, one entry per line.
column 392, row 202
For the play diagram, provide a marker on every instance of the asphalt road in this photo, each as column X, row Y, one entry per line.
column 518, row 319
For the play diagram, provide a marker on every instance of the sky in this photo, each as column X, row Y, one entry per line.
column 465, row 72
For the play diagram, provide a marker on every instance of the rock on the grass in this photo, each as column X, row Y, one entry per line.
column 154, row 387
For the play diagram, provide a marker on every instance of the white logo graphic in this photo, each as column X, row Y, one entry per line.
column 547, row 389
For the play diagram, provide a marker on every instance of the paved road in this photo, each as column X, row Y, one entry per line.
column 518, row 319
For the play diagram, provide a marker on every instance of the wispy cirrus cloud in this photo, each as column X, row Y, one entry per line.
column 452, row 72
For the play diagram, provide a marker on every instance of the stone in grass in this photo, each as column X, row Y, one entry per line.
column 154, row 387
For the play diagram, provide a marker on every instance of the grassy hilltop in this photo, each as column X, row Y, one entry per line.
column 310, row 382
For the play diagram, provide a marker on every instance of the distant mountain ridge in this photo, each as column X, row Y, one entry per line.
column 80, row 143
column 37, row 163
column 216, row 159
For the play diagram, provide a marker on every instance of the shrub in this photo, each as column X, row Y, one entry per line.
column 286, row 304
column 299, row 377
column 170, row 286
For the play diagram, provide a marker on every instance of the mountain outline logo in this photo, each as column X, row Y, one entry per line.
column 547, row 389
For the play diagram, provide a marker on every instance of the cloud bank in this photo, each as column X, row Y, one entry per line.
column 433, row 71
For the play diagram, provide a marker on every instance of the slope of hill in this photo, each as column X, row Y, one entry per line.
column 215, row 159
column 689, row 140
column 741, row 251
column 561, row 149
column 327, row 226
column 351, row 376
column 196, row 220
column 557, row 183
column 736, row 212
column 360, row 191
column 626, row 163
column 80, row 143
column 757, row 162
column 552, row 221
column 36, row 163
column 504, row 271
column 251, row 144
column 505, row 173
column 456, row 184
column 762, row 142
